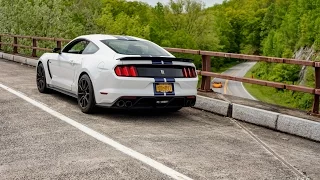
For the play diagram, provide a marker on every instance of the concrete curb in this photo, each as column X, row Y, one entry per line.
column 32, row 62
column 281, row 122
column 212, row 105
column 289, row 124
column 299, row 126
column 9, row 57
column 255, row 116
column 19, row 59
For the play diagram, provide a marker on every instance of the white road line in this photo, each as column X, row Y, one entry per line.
column 253, row 98
column 160, row 167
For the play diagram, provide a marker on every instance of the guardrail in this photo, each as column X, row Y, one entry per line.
column 205, row 71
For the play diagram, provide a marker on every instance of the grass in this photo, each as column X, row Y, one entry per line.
column 280, row 97
column 199, row 81
column 265, row 94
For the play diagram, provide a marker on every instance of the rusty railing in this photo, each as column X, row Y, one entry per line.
column 205, row 71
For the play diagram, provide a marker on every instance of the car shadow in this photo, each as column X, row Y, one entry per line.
column 126, row 115
column 141, row 116
column 64, row 97
column 135, row 112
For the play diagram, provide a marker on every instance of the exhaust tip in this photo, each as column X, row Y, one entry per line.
column 188, row 103
column 120, row 103
column 128, row 104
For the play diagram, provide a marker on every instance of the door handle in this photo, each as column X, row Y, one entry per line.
column 72, row 62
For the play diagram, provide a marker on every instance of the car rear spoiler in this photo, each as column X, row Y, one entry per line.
column 148, row 58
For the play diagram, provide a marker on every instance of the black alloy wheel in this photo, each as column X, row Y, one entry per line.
column 86, row 100
column 41, row 79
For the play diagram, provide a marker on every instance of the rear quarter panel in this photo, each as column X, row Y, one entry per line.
column 95, row 65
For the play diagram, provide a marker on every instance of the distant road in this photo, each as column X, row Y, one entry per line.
column 232, row 87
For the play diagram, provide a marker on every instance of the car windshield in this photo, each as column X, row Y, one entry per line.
column 134, row 47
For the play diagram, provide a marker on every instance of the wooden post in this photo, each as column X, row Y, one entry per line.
column 206, row 80
column 59, row 44
column 315, row 108
column 0, row 43
column 34, row 51
column 15, row 42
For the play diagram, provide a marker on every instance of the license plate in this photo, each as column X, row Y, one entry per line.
column 164, row 88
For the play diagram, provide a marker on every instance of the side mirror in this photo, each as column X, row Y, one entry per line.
column 56, row 50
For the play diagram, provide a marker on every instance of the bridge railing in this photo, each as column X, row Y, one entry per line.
column 205, row 71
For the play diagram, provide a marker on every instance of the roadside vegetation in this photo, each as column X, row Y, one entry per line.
column 262, row 27
column 281, row 97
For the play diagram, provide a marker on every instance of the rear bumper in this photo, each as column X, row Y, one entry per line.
column 153, row 102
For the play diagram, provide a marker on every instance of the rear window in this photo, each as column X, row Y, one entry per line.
column 134, row 47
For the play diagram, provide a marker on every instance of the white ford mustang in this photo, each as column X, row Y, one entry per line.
column 118, row 72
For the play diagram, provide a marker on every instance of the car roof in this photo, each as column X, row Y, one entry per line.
column 99, row 37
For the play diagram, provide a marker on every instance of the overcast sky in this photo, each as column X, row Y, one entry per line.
column 154, row 2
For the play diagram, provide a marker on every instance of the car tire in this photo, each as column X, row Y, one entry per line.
column 41, row 79
column 86, row 99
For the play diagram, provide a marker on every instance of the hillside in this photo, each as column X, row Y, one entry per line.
column 280, row 28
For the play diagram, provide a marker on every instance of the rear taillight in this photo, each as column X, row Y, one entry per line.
column 127, row 71
column 133, row 71
column 189, row 72
column 194, row 74
column 185, row 72
column 118, row 71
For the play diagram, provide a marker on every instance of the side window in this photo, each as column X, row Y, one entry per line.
column 90, row 49
column 77, row 47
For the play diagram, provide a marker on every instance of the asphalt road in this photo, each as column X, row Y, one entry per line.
column 233, row 87
column 45, row 136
